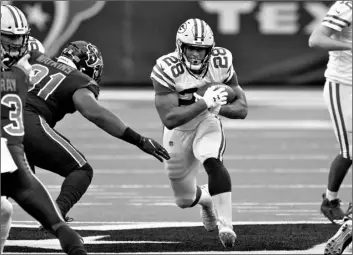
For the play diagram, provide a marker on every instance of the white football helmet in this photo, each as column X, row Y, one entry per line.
column 196, row 33
column 14, row 34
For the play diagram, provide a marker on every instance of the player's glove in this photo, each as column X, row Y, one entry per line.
column 150, row 146
column 213, row 97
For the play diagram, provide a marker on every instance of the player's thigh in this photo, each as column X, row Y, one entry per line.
column 210, row 140
column 182, row 161
column 338, row 100
column 27, row 190
column 48, row 149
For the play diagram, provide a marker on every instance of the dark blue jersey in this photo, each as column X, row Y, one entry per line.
column 14, row 86
column 53, row 86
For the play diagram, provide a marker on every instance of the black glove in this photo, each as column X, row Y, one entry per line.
column 150, row 146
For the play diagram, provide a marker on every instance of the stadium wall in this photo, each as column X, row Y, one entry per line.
column 269, row 40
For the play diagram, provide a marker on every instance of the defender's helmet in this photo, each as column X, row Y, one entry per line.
column 196, row 33
column 14, row 35
column 86, row 57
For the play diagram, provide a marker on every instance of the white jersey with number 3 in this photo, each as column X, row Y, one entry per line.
column 339, row 18
column 170, row 72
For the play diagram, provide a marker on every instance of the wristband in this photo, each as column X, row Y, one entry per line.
column 131, row 136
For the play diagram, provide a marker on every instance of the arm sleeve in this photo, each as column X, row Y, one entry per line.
column 230, row 69
column 161, row 76
column 35, row 45
column 339, row 15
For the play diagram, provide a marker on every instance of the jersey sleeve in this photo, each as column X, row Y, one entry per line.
column 78, row 80
column 162, row 76
column 227, row 71
column 339, row 15
column 35, row 45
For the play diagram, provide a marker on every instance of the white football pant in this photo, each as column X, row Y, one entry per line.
column 338, row 99
column 189, row 149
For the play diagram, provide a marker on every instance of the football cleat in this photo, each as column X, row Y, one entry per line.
column 332, row 209
column 339, row 242
column 208, row 213
column 226, row 234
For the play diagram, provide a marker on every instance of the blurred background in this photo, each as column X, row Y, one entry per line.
column 268, row 39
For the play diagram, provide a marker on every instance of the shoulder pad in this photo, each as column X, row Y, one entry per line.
column 165, row 70
column 221, row 62
column 339, row 15
column 35, row 45
column 218, row 54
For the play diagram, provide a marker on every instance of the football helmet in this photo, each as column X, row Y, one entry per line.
column 195, row 33
column 14, row 35
column 86, row 57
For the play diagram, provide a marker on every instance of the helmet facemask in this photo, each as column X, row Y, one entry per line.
column 13, row 48
column 196, row 65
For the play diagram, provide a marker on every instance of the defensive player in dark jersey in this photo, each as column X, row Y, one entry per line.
column 17, row 180
column 61, row 87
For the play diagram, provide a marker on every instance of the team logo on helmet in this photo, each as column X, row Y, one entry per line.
column 182, row 28
column 93, row 56
column 54, row 22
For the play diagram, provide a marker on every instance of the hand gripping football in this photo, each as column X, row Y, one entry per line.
column 231, row 93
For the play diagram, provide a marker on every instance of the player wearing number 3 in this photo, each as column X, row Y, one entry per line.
column 17, row 180
column 193, row 132
column 61, row 87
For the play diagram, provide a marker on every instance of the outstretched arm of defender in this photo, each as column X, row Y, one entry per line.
column 88, row 106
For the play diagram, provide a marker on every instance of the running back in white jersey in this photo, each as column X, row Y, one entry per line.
column 170, row 72
column 339, row 18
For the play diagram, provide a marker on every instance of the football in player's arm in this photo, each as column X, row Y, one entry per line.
column 167, row 103
column 174, row 115
column 238, row 109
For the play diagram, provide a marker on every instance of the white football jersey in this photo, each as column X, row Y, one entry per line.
column 339, row 18
column 170, row 72
column 35, row 45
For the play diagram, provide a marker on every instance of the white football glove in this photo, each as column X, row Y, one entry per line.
column 213, row 97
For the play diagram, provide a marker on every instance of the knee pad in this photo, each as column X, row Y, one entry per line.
column 88, row 169
column 218, row 177
column 6, row 210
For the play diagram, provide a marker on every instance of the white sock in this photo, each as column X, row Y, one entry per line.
column 330, row 195
column 205, row 198
column 5, row 221
column 223, row 205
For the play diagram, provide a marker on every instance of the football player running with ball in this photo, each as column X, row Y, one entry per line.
column 193, row 132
